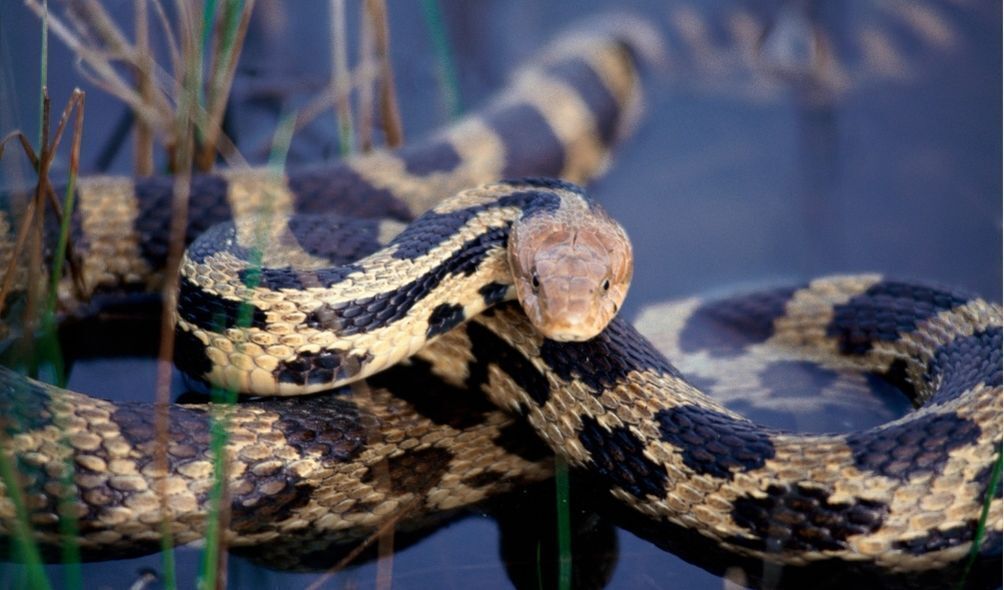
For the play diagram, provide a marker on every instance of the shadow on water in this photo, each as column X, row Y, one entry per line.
column 872, row 143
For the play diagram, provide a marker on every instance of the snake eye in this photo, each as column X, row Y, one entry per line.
column 535, row 281
column 606, row 284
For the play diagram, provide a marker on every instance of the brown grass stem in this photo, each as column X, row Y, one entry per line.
column 340, row 76
column 389, row 113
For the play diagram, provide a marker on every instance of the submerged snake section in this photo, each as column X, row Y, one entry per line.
column 905, row 496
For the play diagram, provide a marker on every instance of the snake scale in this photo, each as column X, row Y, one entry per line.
column 901, row 497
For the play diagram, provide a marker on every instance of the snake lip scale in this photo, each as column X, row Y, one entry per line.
column 902, row 497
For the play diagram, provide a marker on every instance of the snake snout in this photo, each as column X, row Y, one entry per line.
column 572, row 270
column 573, row 292
column 572, row 302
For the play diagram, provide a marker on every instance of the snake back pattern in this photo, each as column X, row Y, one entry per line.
column 903, row 496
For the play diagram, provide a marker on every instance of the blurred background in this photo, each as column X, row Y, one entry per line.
column 781, row 140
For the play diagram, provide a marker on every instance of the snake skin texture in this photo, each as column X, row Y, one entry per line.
column 902, row 497
column 311, row 323
column 561, row 115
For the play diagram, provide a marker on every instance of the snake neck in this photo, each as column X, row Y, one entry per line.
column 671, row 452
column 296, row 325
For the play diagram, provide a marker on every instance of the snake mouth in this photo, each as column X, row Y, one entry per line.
column 570, row 337
column 571, row 331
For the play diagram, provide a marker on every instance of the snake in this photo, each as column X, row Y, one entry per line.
column 905, row 496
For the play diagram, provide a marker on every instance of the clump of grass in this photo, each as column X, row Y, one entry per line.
column 106, row 54
column 374, row 67
column 562, row 493
column 212, row 565
column 183, row 111
column 389, row 112
column 47, row 349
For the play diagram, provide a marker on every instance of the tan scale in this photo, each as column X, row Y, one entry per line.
column 113, row 255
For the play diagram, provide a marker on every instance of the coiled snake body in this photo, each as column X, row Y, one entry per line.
column 904, row 496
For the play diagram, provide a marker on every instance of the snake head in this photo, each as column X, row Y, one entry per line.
column 572, row 269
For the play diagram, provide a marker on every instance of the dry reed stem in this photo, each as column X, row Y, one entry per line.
column 367, row 49
column 34, row 215
column 76, row 272
column 328, row 97
column 34, row 227
column 32, row 220
column 221, row 78
column 19, row 240
column 389, row 113
column 183, row 151
column 92, row 24
column 341, row 83
column 95, row 19
column 387, row 525
column 143, row 150
column 172, row 42
column 104, row 75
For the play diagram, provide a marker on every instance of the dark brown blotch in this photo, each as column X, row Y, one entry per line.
column 337, row 188
column 713, row 443
column 329, row 429
column 802, row 518
column 415, row 472
column 269, row 502
column 488, row 348
column 433, row 398
column 610, row 359
column 920, row 445
column 429, row 158
column 324, row 366
column 726, row 327
column 444, row 318
column 939, row 539
column 617, row 455
column 885, row 312
column 485, row 478
column 965, row 363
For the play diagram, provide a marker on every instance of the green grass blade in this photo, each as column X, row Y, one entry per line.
column 208, row 17
column 50, row 351
column 449, row 87
column 219, row 429
column 280, row 143
column 44, row 71
column 564, row 523
column 341, row 81
column 168, row 564
column 232, row 11
column 981, row 526
column 25, row 550
column 69, row 528
column 219, row 435
column 64, row 236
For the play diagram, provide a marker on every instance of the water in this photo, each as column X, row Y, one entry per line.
column 735, row 178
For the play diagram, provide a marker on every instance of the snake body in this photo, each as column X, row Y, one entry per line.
column 904, row 496
column 312, row 325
